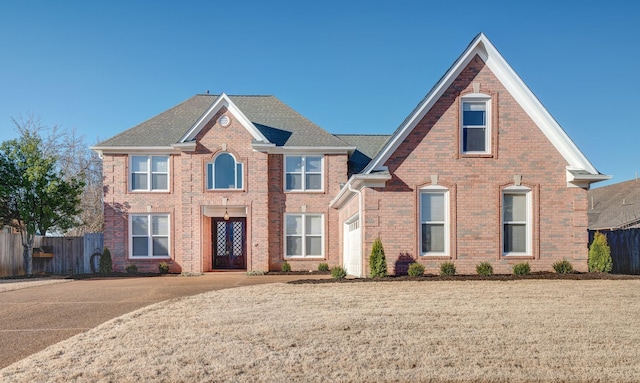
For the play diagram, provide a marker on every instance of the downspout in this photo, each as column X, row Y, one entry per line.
column 359, row 193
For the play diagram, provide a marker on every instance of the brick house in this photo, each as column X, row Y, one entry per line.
column 479, row 171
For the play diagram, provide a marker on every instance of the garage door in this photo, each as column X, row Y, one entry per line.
column 352, row 247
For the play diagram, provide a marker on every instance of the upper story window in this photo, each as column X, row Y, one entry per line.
column 476, row 127
column 516, row 221
column 224, row 172
column 434, row 221
column 149, row 173
column 303, row 173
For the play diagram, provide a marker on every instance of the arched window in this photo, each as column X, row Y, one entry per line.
column 224, row 172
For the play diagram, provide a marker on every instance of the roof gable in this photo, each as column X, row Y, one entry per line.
column 223, row 101
column 482, row 47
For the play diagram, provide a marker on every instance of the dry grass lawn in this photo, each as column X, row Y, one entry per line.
column 474, row 331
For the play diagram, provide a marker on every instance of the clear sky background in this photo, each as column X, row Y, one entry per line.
column 101, row 67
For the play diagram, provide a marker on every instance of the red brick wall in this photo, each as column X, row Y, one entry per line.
column 475, row 184
column 263, row 196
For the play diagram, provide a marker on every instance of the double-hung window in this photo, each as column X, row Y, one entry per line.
column 434, row 221
column 224, row 172
column 303, row 173
column 476, row 129
column 149, row 235
column 516, row 221
column 304, row 235
column 149, row 173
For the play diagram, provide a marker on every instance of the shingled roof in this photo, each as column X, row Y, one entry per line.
column 280, row 124
column 367, row 147
column 615, row 206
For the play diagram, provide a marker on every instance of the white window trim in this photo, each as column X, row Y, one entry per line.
column 303, row 174
column 213, row 173
column 476, row 97
column 149, row 174
column 522, row 190
column 447, row 221
column 149, row 236
column 304, row 236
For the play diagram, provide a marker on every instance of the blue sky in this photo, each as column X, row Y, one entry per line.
column 101, row 67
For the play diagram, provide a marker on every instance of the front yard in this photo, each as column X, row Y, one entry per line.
column 441, row 331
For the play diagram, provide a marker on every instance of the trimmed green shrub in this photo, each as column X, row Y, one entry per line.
column 521, row 268
column 377, row 260
column 563, row 267
column 163, row 267
column 338, row 272
column 286, row 267
column 485, row 269
column 323, row 267
column 415, row 269
column 132, row 269
column 447, row 268
column 600, row 254
column 105, row 266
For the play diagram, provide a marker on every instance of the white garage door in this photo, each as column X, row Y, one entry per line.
column 352, row 253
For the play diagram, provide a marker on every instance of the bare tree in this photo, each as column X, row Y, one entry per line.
column 75, row 159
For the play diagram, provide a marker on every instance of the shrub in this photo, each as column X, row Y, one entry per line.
column 163, row 267
column 485, row 269
column 600, row 254
column 323, row 267
column 521, row 268
column 447, row 268
column 132, row 269
column 286, row 267
column 415, row 269
column 563, row 267
column 338, row 272
column 105, row 261
column 377, row 260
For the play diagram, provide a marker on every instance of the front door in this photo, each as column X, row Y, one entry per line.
column 229, row 243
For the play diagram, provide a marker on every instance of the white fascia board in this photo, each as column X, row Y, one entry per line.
column 583, row 179
column 534, row 108
column 223, row 101
column 272, row 149
column 514, row 85
column 159, row 150
column 358, row 182
column 426, row 104
column 185, row 146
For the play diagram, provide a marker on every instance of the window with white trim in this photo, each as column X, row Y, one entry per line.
column 516, row 221
column 224, row 172
column 475, row 134
column 304, row 235
column 303, row 173
column 149, row 173
column 434, row 221
column 149, row 235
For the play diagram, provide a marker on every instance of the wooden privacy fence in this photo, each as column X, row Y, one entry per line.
column 62, row 255
column 625, row 250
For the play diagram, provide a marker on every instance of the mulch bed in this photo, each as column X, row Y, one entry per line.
column 496, row 277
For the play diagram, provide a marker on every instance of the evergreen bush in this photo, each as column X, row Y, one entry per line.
column 521, row 268
column 377, row 260
column 485, row 269
column 286, row 267
column 132, row 269
column 600, row 254
column 104, row 265
column 323, row 267
column 447, row 268
column 563, row 267
column 338, row 272
column 415, row 269
column 163, row 267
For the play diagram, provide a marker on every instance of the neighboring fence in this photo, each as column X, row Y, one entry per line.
column 625, row 250
column 70, row 254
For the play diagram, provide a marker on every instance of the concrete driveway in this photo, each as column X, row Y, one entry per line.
column 33, row 318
